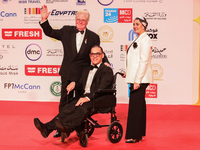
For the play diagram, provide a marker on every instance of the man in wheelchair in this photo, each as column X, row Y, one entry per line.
column 97, row 76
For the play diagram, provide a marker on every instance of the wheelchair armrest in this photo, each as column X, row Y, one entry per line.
column 102, row 91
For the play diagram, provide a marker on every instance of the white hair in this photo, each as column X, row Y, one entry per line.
column 84, row 11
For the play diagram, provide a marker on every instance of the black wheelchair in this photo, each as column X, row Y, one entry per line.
column 86, row 129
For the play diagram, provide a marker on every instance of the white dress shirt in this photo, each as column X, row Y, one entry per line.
column 90, row 79
column 79, row 40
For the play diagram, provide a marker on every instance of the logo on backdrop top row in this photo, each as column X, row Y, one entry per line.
column 120, row 15
column 105, row 2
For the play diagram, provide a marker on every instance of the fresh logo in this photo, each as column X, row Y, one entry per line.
column 42, row 70
column 27, row 34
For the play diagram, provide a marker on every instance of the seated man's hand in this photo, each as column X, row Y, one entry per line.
column 81, row 101
column 70, row 87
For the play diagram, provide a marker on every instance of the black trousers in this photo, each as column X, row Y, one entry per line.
column 64, row 97
column 136, row 122
column 71, row 115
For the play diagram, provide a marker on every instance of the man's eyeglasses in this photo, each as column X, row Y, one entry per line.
column 95, row 54
column 80, row 20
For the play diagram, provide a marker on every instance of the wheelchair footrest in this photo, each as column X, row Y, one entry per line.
column 100, row 126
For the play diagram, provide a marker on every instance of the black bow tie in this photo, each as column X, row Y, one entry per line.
column 92, row 67
column 76, row 30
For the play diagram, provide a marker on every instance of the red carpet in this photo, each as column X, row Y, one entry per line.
column 174, row 127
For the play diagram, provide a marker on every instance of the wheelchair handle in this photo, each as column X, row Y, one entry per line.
column 115, row 77
column 119, row 73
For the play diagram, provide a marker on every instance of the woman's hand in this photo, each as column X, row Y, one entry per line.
column 124, row 74
column 136, row 86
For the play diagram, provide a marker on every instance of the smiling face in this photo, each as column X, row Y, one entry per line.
column 81, row 21
column 96, row 55
column 138, row 27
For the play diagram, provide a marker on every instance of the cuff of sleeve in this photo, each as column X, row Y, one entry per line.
column 41, row 22
column 88, row 98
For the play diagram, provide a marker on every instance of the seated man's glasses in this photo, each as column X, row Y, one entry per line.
column 95, row 54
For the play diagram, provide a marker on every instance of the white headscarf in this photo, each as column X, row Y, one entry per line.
column 143, row 21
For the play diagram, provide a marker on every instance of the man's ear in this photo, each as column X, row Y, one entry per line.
column 103, row 55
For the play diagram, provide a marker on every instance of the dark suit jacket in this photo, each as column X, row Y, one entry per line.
column 73, row 62
column 72, row 115
column 103, row 79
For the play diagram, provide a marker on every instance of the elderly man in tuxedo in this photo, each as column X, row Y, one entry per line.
column 94, row 77
column 77, row 42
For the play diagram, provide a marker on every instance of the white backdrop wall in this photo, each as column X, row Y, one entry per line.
column 30, row 61
column 196, row 49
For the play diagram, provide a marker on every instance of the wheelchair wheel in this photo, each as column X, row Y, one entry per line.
column 115, row 132
column 83, row 139
column 90, row 130
column 82, row 127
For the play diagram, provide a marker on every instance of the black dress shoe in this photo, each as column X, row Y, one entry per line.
column 41, row 127
column 61, row 127
column 57, row 134
column 132, row 141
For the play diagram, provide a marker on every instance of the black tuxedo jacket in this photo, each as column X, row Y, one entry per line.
column 103, row 79
column 72, row 115
column 73, row 62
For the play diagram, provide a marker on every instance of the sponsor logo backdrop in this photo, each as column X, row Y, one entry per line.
column 30, row 61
